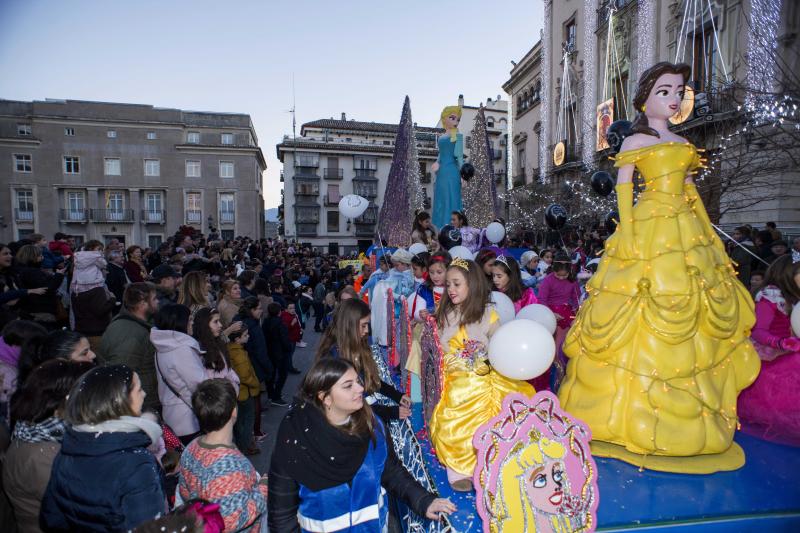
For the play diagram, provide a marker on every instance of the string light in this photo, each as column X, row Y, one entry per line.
column 645, row 31
column 761, row 49
column 589, row 77
column 545, row 161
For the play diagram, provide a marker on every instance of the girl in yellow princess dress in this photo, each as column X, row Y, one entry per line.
column 660, row 350
column 472, row 392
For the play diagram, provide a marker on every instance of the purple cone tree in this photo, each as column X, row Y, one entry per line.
column 480, row 193
column 403, row 194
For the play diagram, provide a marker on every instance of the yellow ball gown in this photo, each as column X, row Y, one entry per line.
column 470, row 395
column 661, row 349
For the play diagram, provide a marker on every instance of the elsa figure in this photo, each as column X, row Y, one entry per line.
column 447, row 190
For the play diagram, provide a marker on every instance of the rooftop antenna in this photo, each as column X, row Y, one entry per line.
column 292, row 111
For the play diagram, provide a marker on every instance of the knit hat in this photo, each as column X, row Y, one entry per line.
column 527, row 256
column 401, row 255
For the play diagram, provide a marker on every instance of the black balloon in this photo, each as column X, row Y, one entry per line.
column 449, row 237
column 602, row 183
column 611, row 221
column 556, row 216
column 616, row 133
column 467, row 171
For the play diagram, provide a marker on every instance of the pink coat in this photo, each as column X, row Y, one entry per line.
column 528, row 297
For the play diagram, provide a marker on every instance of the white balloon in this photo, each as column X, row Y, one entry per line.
column 495, row 232
column 353, row 205
column 541, row 314
column 521, row 349
column 417, row 248
column 796, row 320
column 504, row 306
column 460, row 251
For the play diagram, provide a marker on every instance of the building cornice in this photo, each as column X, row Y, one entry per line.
column 222, row 149
column 380, row 150
column 18, row 141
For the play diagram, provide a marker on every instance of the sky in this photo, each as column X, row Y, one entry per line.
column 352, row 56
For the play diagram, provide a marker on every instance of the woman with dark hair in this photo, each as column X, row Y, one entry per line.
column 14, row 336
column 179, row 369
column 507, row 278
column 423, row 231
column 339, row 461
column 39, row 307
column 37, row 427
column 661, row 347
column 485, row 259
column 134, row 266
column 10, row 290
column 348, row 338
column 207, row 330
column 58, row 344
column 104, row 479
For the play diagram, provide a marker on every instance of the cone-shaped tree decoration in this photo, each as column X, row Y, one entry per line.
column 479, row 193
column 403, row 194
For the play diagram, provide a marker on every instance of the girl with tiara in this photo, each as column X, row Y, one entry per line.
column 470, row 237
column 507, row 279
column 447, row 189
column 424, row 232
column 472, row 392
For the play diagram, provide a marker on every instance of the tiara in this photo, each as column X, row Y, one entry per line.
column 462, row 263
column 503, row 259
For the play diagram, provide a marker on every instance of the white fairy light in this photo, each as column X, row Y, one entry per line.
column 589, row 81
column 762, row 48
column 547, row 34
column 645, row 30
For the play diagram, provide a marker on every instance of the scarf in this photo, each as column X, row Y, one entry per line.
column 124, row 424
column 9, row 354
column 48, row 430
column 315, row 453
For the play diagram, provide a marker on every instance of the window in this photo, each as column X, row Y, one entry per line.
column 25, row 205
column 23, row 129
column 69, row 132
column 192, row 169
column 151, row 136
column 194, row 211
column 226, row 208
column 193, row 137
column 154, row 241
column 76, row 205
column 703, row 61
column 333, row 194
column 227, row 138
column 490, row 122
column 333, row 220
column 112, row 166
column 226, row 169
column 521, row 160
column 152, row 167
column 72, row 165
column 115, row 204
column 24, row 233
column 23, row 163
column 111, row 134
column 226, row 234
column 154, row 207
column 570, row 33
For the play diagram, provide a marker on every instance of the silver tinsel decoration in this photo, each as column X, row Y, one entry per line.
column 545, row 158
column 589, row 81
column 646, row 36
column 762, row 48
column 480, row 193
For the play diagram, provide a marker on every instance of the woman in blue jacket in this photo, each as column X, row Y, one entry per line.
column 335, row 462
column 104, row 478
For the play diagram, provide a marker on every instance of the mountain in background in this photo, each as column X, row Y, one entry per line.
column 271, row 215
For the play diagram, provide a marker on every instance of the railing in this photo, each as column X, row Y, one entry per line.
column 363, row 230
column 572, row 154
column 365, row 173
column 112, row 215
column 369, row 193
column 23, row 215
column 194, row 216
column 307, row 229
column 333, row 173
column 153, row 216
column 227, row 217
column 305, row 190
column 78, row 216
column 370, row 216
column 303, row 162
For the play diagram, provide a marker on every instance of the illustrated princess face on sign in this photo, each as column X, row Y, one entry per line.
column 535, row 472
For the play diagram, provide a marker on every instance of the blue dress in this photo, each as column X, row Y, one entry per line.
column 447, row 190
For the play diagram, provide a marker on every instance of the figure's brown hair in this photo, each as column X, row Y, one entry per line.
column 646, row 83
column 781, row 274
column 473, row 308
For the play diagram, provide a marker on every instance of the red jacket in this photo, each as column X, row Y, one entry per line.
column 60, row 247
column 293, row 325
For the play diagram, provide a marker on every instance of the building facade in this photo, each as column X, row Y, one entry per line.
column 132, row 172
column 592, row 53
column 331, row 159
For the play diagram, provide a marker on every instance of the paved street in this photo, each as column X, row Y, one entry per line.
column 271, row 418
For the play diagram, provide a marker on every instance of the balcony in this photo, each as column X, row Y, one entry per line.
column 370, row 216
column 333, row 173
column 306, row 229
column 572, row 156
column 23, row 215
column 306, row 167
column 520, row 179
column 154, row 216
column 367, row 191
column 112, row 216
column 227, row 217
column 368, row 173
column 363, row 230
column 425, row 178
column 74, row 216
column 194, row 216
column 332, row 200
column 497, row 154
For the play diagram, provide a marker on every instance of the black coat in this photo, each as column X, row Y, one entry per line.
column 116, row 280
column 277, row 336
column 35, row 277
column 256, row 348
column 103, row 482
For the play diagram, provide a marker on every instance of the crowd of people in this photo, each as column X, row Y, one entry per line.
column 132, row 381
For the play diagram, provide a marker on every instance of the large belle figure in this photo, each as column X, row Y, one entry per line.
column 661, row 349
column 447, row 189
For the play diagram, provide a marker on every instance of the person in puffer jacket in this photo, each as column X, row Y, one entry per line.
column 104, row 478
column 336, row 463
column 92, row 302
